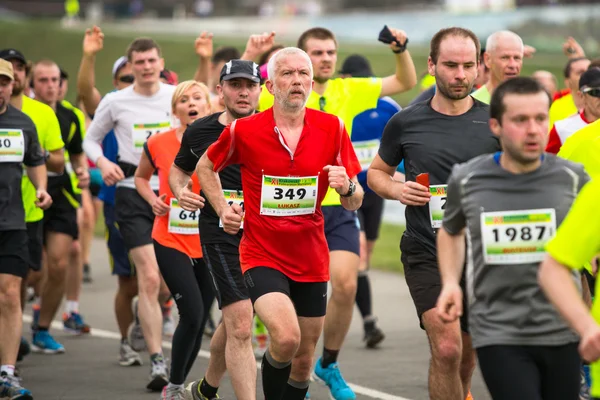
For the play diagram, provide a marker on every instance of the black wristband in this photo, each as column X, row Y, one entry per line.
column 401, row 48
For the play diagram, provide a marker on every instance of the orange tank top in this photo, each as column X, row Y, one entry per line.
column 178, row 229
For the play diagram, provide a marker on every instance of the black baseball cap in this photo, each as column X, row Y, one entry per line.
column 240, row 69
column 12, row 54
column 590, row 78
column 357, row 66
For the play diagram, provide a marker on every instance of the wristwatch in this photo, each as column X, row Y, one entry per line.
column 351, row 190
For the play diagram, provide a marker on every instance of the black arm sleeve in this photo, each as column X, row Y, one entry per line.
column 186, row 159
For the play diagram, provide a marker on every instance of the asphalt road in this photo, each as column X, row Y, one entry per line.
column 89, row 369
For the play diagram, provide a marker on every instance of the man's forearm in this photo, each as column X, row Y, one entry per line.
column 38, row 176
column 451, row 255
column 557, row 283
column 78, row 161
column 86, row 83
column 211, row 185
column 202, row 72
column 353, row 202
column 178, row 179
column 56, row 161
column 405, row 70
column 384, row 185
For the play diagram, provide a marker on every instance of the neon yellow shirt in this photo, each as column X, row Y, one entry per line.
column 576, row 243
column 81, row 119
column 562, row 108
column 483, row 95
column 48, row 131
column 344, row 97
column 584, row 147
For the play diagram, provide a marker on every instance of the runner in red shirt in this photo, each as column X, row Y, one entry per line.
column 176, row 237
column 289, row 155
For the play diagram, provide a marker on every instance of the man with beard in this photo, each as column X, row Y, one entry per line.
column 344, row 98
column 431, row 137
column 504, row 58
column 231, row 344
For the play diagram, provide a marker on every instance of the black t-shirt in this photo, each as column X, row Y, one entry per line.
column 196, row 140
column 70, row 130
column 12, row 213
column 430, row 142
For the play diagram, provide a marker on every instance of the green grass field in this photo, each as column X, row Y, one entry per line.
column 44, row 39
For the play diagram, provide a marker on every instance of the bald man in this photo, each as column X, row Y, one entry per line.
column 504, row 58
column 547, row 79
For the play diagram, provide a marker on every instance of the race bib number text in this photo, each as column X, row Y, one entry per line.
column 12, row 145
column 285, row 196
column 437, row 205
column 181, row 221
column 142, row 132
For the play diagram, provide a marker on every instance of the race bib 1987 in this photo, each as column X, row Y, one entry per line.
column 181, row 221
column 285, row 195
column 233, row 197
column 437, row 205
column 366, row 152
column 142, row 132
column 516, row 237
column 12, row 145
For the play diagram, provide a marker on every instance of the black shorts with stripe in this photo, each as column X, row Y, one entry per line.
column 223, row 262
column 61, row 217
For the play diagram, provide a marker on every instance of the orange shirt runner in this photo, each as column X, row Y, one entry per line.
column 178, row 229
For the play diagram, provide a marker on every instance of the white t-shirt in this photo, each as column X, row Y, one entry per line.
column 134, row 118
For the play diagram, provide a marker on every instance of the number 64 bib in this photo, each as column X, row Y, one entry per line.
column 516, row 237
column 285, row 196
column 181, row 221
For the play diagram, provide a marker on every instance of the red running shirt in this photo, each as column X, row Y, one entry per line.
column 177, row 229
column 275, row 182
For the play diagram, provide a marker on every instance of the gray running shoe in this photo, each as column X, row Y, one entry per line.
column 135, row 335
column 128, row 357
column 11, row 389
column 174, row 393
column 193, row 390
column 159, row 376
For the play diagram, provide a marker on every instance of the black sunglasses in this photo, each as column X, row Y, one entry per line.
column 126, row 78
column 594, row 92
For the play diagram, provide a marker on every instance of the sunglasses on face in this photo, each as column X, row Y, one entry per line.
column 126, row 78
column 594, row 92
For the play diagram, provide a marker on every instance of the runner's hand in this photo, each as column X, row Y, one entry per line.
column 83, row 177
column 232, row 217
column 44, row 201
column 204, row 45
column 589, row 346
column 572, row 48
column 93, row 41
column 188, row 200
column 111, row 172
column 257, row 45
column 159, row 207
column 400, row 37
column 450, row 303
column 338, row 179
column 528, row 51
column 414, row 194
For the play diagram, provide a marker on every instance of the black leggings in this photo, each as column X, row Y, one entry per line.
column 190, row 284
column 531, row 372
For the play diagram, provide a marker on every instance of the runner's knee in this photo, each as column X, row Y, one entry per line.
column 286, row 343
column 149, row 284
column 446, row 352
column 344, row 290
column 10, row 298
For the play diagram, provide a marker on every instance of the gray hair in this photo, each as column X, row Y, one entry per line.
column 496, row 37
column 286, row 51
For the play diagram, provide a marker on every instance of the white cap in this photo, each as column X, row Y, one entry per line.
column 121, row 61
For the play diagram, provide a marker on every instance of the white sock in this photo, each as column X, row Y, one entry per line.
column 8, row 369
column 172, row 385
column 72, row 307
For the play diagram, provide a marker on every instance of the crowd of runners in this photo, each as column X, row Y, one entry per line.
column 262, row 178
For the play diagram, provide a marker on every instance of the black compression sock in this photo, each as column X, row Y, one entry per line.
column 275, row 376
column 295, row 390
column 41, row 328
column 206, row 390
column 329, row 357
column 156, row 358
column 363, row 295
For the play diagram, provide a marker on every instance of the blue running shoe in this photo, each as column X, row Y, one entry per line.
column 307, row 396
column 74, row 323
column 332, row 377
column 11, row 389
column 43, row 342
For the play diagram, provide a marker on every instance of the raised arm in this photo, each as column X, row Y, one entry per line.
column 93, row 42
column 204, row 51
column 405, row 77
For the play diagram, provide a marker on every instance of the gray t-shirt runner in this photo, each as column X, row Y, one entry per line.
column 431, row 142
column 508, row 218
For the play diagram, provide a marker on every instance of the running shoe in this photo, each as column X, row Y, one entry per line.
column 135, row 334
column 128, row 357
column 332, row 377
column 24, row 349
column 87, row 274
column 209, row 327
column 307, row 396
column 43, row 342
column 73, row 323
column 469, row 396
column 159, row 376
column 193, row 390
column 373, row 337
column 584, row 388
column 173, row 393
column 168, row 325
column 11, row 389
